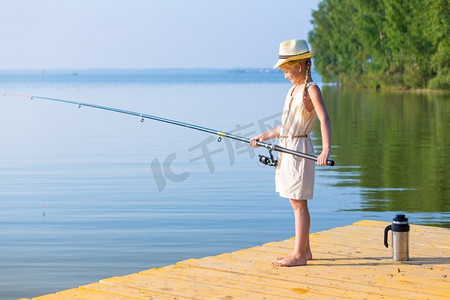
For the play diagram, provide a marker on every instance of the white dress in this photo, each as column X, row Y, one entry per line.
column 294, row 175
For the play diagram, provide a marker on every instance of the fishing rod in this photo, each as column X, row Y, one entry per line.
column 263, row 159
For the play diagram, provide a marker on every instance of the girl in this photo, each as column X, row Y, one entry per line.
column 294, row 176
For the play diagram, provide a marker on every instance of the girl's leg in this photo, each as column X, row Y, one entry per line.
column 302, row 249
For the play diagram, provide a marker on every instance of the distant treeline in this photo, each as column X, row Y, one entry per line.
column 383, row 43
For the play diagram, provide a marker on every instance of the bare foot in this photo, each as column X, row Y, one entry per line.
column 290, row 261
column 308, row 256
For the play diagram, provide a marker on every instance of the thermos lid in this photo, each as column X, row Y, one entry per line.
column 400, row 218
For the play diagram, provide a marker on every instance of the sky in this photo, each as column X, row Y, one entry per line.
column 86, row 34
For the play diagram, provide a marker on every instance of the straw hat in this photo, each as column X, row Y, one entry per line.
column 293, row 50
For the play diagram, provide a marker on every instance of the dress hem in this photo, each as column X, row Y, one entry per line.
column 309, row 197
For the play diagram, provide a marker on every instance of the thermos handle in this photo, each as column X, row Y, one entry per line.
column 386, row 235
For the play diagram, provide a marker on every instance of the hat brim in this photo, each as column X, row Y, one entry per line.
column 280, row 62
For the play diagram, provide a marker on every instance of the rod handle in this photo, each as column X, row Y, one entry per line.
column 330, row 162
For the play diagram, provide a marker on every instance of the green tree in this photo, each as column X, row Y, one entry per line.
column 378, row 43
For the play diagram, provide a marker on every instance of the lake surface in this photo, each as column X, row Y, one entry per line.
column 87, row 194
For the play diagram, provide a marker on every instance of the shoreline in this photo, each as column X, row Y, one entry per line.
column 392, row 89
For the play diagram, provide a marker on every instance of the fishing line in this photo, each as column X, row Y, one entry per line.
column 263, row 159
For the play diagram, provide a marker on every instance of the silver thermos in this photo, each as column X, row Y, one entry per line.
column 400, row 237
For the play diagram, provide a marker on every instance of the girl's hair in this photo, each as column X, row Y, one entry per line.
column 308, row 78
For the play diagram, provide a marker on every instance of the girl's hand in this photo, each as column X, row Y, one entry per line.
column 255, row 139
column 265, row 136
column 322, row 158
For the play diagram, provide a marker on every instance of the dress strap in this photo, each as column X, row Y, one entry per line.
column 308, row 86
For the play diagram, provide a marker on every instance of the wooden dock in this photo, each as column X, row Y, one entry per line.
column 349, row 262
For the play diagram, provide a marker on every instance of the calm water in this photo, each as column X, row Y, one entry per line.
column 87, row 194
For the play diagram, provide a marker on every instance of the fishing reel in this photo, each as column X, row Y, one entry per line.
column 268, row 161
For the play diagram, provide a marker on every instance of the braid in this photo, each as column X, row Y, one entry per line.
column 308, row 77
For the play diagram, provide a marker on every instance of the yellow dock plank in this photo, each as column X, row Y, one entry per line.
column 160, row 285
column 238, row 288
column 268, row 284
column 321, row 276
column 349, row 262
column 125, row 291
column 368, row 265
column 80, row 294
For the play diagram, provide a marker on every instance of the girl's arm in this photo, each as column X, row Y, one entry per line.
column 268, row 135
column 325, row 126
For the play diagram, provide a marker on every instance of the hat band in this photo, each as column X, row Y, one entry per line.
column 288, row 56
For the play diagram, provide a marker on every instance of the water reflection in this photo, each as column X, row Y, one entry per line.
column 399, row 143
